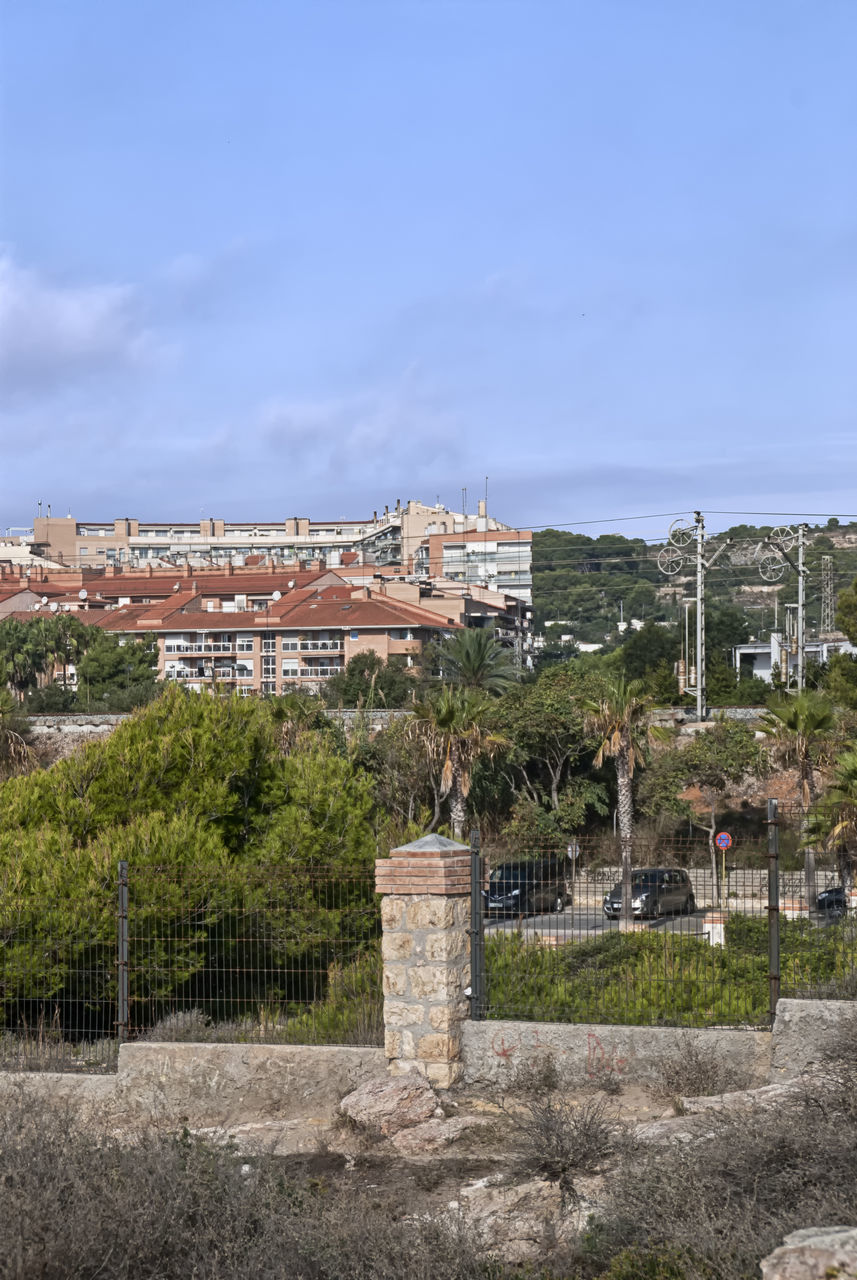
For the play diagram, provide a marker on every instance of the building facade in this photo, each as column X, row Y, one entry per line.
column 389, row 538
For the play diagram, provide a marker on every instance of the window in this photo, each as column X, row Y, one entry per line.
column 245, row 643
column 269, row 686
column 355, row 635
column 269, row 668
column 269, row 644
column 83, row 551
column 290, row 670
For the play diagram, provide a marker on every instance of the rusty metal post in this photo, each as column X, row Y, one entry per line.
column 773, row 909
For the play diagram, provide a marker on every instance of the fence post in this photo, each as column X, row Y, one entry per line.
column 122, row 956
column 477, row 932
column 773, row 909
column 425, row 950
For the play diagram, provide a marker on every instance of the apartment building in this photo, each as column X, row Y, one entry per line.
column 389, row 538
column 298, row 640
column 502, row 560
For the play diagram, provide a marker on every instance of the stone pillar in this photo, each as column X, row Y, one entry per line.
column 425, row 914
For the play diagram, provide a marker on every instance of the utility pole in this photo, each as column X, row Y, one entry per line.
column 782, row 541
column 700, row 616
column 827, row 598
column 670, row 560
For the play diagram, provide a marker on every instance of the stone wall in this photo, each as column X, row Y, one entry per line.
column 494, row 1052
column 808, row 1031
column 207, row 1085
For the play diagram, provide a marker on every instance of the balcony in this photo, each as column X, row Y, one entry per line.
column 321, row 646
column 208, row 646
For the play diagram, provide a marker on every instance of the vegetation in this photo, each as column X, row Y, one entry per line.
column 666, row 979
column 247, row 859
column 113, row 674
column 619, row 721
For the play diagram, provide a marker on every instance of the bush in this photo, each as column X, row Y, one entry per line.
column 73, row 1204
column 695, row 1070
column 722, row 1201
column 666, row 978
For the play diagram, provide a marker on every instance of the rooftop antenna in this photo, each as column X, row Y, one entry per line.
column 486, row 496
column 40, row 508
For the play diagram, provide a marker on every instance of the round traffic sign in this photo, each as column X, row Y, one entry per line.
column 723, row 840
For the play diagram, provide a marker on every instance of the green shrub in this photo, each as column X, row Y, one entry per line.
column 665, row 978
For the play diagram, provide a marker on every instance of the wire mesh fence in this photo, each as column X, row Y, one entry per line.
column 285, row 955
column 707, row 943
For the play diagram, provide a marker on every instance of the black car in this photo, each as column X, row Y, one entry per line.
column 832, row 903
column 523, row 888
column 655, row 891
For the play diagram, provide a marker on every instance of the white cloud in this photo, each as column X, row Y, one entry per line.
column 55, row 333
column 382, row 431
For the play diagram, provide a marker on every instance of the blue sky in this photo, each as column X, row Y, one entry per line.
column 270, row 258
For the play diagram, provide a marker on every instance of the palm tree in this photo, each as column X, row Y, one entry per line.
column 798, row 727
column 618, row 720
column 15, row 754
column 833, row 821
column 475, row 659
column 450, row 727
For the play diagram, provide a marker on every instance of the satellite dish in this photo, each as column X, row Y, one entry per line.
column 54, row 606
column 82, row 594
column 37, row 606
column 44, row 599
column 291, row 583
column 276, row 595
column 67, row 608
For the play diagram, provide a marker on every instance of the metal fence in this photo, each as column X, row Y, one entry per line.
column 285, row 955
column 713, row 943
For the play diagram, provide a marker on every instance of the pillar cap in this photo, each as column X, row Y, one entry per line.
column 431, row 844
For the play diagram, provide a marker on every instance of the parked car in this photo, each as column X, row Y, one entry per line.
column 655, row 891
column 832, row 903
column 524, row 888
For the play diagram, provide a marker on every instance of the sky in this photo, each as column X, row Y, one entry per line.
column 306, row 257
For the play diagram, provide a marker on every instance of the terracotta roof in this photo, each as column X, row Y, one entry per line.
column 309, row 609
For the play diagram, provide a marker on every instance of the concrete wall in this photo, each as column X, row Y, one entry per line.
column 808, row 1031
column 492, row 1052
column 207, row 1085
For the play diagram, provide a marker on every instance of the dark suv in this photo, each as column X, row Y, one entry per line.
column 523, row 888
column 655, row 891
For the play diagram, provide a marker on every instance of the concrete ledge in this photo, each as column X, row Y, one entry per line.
column 206, row 1084
column 492, row 1052
column 807, row 1031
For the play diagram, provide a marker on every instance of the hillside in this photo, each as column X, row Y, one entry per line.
column 586, row 584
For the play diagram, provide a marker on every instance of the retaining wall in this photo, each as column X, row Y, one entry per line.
column 493, row 1052
column 207, row 1085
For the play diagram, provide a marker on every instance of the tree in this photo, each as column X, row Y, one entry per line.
column 798, row 728
column 833, row 820
column 544, row 722
column 618, row 720
column 712, row 760
column 15, row 753
column 368, row 681
column 450, row 725
column 475, row 659
column 117, row 673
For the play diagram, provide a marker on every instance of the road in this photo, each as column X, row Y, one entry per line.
column 583, row 922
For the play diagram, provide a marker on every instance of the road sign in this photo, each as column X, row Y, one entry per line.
column 723, row 840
